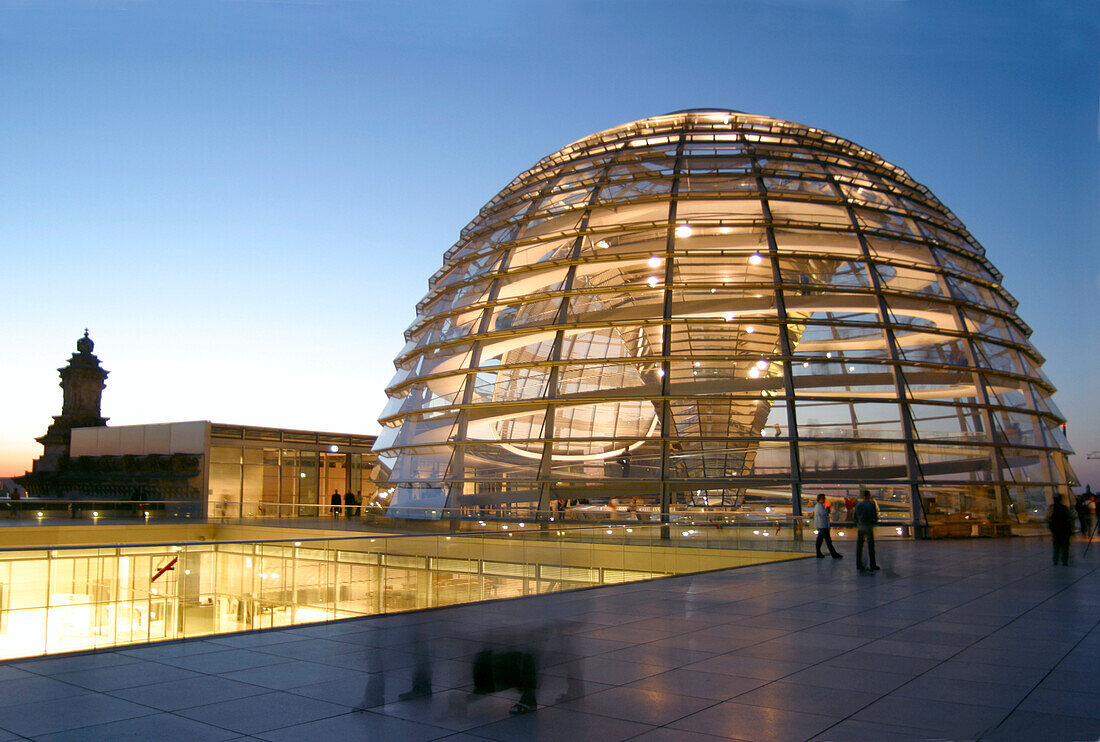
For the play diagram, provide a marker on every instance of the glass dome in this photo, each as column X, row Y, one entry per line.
column 711, row 309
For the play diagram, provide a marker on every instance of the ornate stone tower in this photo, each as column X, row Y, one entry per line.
column 82, row 381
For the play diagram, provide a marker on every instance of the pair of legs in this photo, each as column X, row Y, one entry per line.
column 1061, row 551
column 865, row 534
column 823, row 535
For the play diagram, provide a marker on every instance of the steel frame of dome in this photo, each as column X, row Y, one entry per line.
column 711, row 308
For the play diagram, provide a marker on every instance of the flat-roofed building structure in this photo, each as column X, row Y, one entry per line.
column 233, row 470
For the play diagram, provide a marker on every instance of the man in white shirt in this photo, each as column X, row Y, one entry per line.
column 821, row 523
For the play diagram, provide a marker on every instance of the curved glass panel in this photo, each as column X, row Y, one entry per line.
column 714, row 309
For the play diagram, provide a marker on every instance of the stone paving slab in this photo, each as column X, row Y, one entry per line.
column 977, row 639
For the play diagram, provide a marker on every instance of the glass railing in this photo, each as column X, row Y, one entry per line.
column 88, row 597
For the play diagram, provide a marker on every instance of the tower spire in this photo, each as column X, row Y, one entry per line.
column 82, row 384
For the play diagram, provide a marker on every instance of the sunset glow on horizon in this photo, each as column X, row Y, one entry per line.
column 244, row 201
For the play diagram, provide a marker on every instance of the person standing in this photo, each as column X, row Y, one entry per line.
column 866, row 515
column 334, row 503
column 1061, row 528
column 1085, row 506
column 821, row 523
column 349, row 504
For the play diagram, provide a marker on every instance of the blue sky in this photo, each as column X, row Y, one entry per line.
column 243, row 200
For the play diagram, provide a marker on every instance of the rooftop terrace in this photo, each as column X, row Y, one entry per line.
column 962, row 640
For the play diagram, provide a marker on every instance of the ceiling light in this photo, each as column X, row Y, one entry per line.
column 684, row 230
column 755, row 259
column 654, row 261
column 652, row 281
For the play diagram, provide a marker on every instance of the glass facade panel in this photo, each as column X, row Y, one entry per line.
column 709, row 295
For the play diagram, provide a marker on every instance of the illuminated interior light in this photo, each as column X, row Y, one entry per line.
column 603, row 349
column 840, row 533
column 652, row 281
column 95, row 513
column 333, row 448
column 187, row 571
column 40, row 513
column 762, row 365
column 754, row 372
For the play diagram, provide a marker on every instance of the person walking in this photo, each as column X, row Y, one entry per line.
column 1060, row 523
column 821, row 523
column 866, row 515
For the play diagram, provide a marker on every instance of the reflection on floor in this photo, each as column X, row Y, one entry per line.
column 956, row 640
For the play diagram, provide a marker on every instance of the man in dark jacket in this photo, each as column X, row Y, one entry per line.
column 1061, row 528
column 866, row 515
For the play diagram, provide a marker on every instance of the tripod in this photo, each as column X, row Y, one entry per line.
column 1095, row 524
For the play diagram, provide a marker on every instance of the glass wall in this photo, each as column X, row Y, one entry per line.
column 70, row 599
column 282, row 482
column 715, row 302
